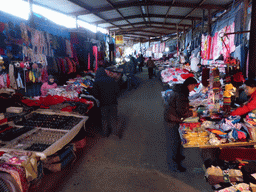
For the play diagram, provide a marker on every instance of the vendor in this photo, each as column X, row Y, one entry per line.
column 50, row 84
column 175, row 111
column 250, row 90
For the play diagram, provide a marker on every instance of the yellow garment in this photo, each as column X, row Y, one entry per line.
column 229, row 89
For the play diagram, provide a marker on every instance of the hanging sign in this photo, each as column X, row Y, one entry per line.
column 119, row 39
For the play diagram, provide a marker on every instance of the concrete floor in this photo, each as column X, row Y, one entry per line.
column 138, row 161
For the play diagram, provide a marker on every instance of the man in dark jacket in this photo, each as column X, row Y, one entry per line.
column 177, row 109
column 106, row 90
column 151, row 65
column 140, row 62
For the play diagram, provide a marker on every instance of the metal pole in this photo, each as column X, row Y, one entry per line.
column 178, row 42
column 252, row 43
column 202, row 30
column 31, row 16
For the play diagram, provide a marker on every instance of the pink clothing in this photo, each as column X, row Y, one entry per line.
column 45, row 87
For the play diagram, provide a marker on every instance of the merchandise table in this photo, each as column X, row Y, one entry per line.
column 200, row 139
column 52, row 131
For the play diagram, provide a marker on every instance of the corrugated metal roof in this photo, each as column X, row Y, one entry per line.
column 128, row 11
column 92, row 3
column 122, row 22
column 179, row 11
column 137, row 20
column 60, row 5
column 155, row 19
column 158, row 9
column 90, row 18
column 136, row 16
column 109, row 14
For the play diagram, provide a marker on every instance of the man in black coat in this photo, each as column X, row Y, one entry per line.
column 106, row 90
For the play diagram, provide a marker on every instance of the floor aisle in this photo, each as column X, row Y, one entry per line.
column 138, row 161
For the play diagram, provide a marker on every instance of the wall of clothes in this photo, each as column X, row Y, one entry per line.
column 30, row 54
column 220, row 44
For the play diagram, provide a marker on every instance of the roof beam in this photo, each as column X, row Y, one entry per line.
column 77, row 2
column 137, row 35
column 149, row 3
column 113, row 6
column 142, row 15
column 137, row 28
column 143, row 31
column 201, row 3
column 149, row 15
column 167, row 12
column 152, row 23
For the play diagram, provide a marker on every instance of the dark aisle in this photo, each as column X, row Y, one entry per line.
column 138, row 161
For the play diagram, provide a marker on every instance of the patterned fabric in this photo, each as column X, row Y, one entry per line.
column 18, row 173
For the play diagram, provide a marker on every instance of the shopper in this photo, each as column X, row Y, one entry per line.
column 106, row 90
column 151, row 65
column 250, row 90
column 177, row 109
column 50, row 84
column 140, row 62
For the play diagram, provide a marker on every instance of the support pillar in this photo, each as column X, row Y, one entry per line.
column 31, row 15
column 252, row 44
column 209, row 21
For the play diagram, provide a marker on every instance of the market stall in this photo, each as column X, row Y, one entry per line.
column 50, row 132
column 30, row 139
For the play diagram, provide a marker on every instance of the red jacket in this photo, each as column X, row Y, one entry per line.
column 251, row 105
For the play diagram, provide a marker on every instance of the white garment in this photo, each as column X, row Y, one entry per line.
column 194, row 61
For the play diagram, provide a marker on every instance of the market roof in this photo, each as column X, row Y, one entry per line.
column 140, row 19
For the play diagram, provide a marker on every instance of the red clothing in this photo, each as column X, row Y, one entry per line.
column 251, row 105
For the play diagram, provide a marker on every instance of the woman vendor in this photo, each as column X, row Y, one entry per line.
column 175, row 111
column 250, row 90
column 48, row 85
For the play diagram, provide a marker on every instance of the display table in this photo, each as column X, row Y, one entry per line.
column 201, row 138
column 53, row 130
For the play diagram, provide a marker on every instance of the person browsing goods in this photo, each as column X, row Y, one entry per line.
column 177, row 109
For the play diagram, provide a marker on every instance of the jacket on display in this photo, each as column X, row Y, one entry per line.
column 251, row 105
column 177, row 106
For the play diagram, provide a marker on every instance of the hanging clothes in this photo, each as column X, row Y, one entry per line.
column 13, row 83
column 95, row 53
column 69, row 49
column 89, row 62
column 19, row 82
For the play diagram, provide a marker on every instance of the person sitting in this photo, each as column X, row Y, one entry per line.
column 50, row 84
column 250, row 90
